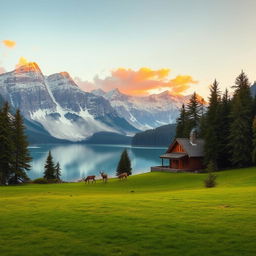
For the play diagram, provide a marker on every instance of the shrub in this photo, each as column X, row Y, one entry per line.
column 40, row 181
column 210, row 181
column 53, row 181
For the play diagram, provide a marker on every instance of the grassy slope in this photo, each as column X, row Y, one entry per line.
column 167, row 214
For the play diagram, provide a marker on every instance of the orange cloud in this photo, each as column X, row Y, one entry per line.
column 22, row 61
column 9, row 43
column 144, row 81
column 84, row 85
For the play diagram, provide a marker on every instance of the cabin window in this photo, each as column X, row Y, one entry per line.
column 180, row 148
column 177, row 148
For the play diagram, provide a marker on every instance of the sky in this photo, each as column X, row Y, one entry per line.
column 138, row 46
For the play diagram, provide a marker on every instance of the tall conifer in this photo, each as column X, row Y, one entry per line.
column 254, row 141
column 6, row 145
column 21, row 153
column 212, row 142
column 124, row 164
column 224, row 130
column 57, row 171
column 194, row 111
column 181, row 128
column 49, row 168
column 240, row 139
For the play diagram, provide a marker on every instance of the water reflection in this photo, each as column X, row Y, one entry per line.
column 78, row 160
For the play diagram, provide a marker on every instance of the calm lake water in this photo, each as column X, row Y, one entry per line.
column 77, row 160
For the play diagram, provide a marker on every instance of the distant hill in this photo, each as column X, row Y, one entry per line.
column 108, row 138
column 161, row 136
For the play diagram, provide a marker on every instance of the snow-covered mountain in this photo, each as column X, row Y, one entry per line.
column 59, row 105
column 145, row 112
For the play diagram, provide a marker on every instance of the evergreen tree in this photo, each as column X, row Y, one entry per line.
column 224, row 130
column 182, row 123
column 210, row 180
column 124, row 164
column 240, row 139
column 49, row 168
column 193, row 111
column 6, row 145
column 20, row 150
column 57, row 171
column 254, row 141
column 212, row 142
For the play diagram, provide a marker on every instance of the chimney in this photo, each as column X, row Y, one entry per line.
column 192, row 137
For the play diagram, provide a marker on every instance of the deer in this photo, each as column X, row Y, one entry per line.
column 122, row 176
column 104, row 176
column 88, row 178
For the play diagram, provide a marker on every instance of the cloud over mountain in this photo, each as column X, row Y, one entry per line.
column 142, row 81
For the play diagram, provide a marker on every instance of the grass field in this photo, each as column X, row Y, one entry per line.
column 167, row 214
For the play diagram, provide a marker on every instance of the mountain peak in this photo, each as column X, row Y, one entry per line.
column 66, row 75
column 28, row 67
column 165, row 93
column 114, row 93
column 98, row 92
column 62, row 78
column 115, row 90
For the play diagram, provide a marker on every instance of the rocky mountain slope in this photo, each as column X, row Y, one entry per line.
column 145, row 112
column 59, row 105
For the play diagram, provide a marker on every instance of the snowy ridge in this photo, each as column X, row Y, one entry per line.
column 145, row 112
column 59, row 105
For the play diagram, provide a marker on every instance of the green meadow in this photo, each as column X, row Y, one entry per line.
column 148, row 214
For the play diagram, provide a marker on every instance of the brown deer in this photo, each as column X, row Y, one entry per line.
column 122, row 176
column 104, row 176
column 88, row 178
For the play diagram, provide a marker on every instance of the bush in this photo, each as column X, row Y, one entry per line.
column 40, row 181
column 53, row 181
column 210, row 181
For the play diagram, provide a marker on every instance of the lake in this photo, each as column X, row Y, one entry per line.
column 79, row 160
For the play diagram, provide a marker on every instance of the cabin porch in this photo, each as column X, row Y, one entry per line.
column 177, row 161
column 167, row 169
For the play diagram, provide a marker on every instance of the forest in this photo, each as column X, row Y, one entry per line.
column 227, row 124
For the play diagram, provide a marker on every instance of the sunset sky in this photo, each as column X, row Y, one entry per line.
column 139, row 46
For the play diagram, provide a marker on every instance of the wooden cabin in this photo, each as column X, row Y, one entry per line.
column 183, row 155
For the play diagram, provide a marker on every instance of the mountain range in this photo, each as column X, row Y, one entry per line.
column 146, row 112
column 55, row 107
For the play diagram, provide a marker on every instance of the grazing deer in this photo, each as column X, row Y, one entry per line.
column 88, row 178
column 104, row 176
column 122, row 176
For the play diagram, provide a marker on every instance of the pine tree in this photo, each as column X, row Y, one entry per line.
column 224, row 126
column 181, row 123
column 57, row 171
column 240, row 139
column 212, row 126
column 21, row 153
column 254, row 141
column 49, row 168
column 6, row 145
column 124, row 164
column 193, row 111
column 210, row 180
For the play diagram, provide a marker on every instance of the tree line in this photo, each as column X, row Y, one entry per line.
column 227, row 124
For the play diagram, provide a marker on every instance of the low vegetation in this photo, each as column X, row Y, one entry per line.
column 148, row 214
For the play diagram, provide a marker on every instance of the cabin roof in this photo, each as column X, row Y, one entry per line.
column 196, row 150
